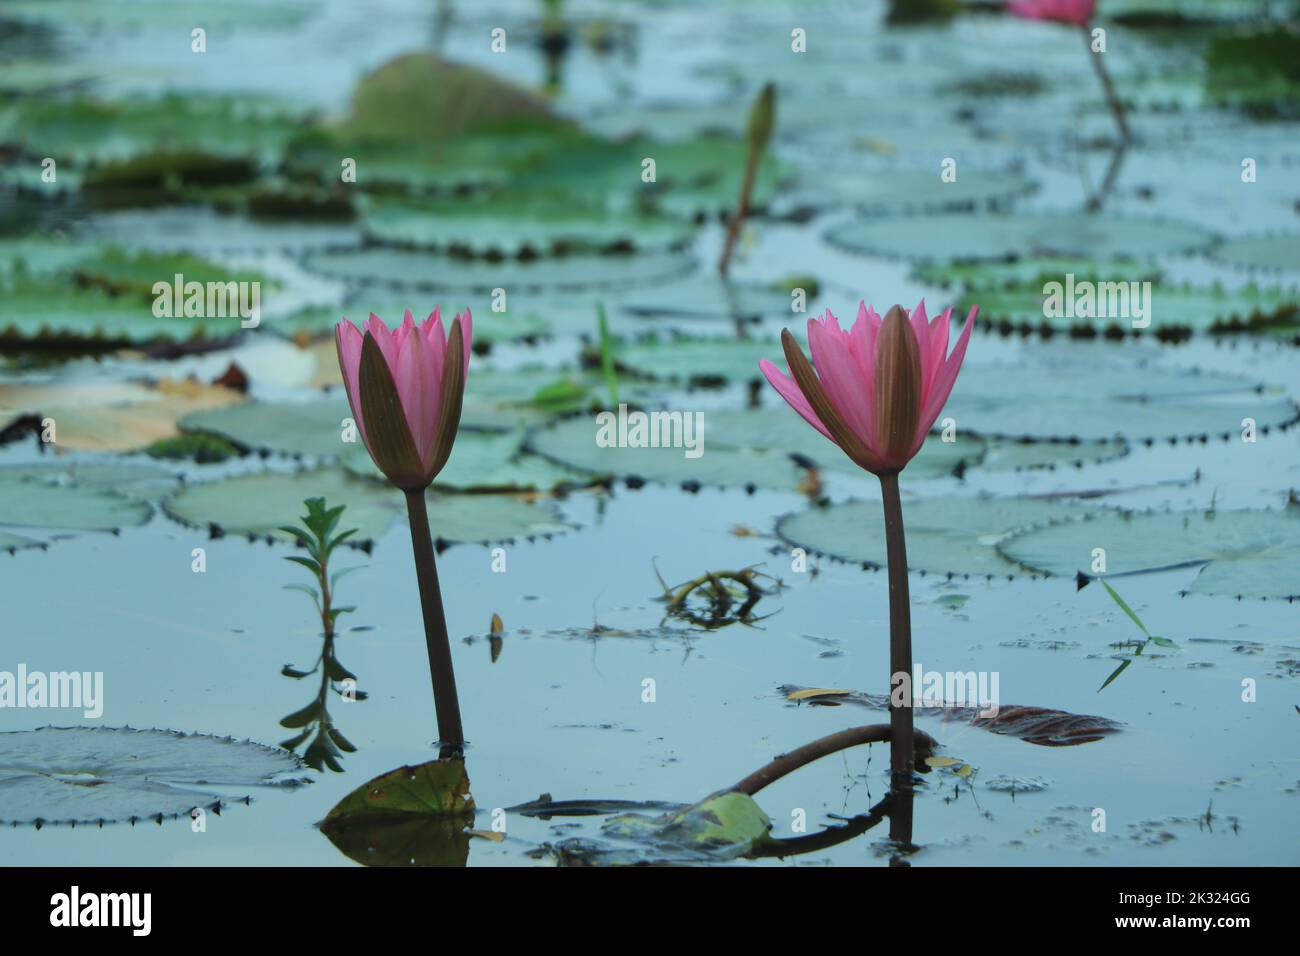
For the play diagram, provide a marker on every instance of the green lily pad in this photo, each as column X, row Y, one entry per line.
column 1267, row 253
column 312, row 428
column 204, row 232
column 947, row 237
column 513, row 325
column 1100, row 394
column 513, row 224
column 139, row 480
column 16, row 542
column 699, row 360
column 1201, row 309
column 906, row 190
column 32, row 497
column 257, row 505
column 98, row 775
column 707, row 297
column 260, row 504
column 83, row 128
column 1032, row 271
column 483, row 462
column 1252, row 554
column 945, row 535
column 414, row 270
column 724, row 826
column 411, row 816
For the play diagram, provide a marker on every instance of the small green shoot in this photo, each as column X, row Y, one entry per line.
column 1149, row 638
column 607, row 355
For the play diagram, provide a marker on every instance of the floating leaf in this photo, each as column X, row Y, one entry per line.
column 1039, row 398
column 121, row 416
column 1245, row 553
column 1201, row 309
column 946, row 535
column 508, row 224
column 257, row 505
column 410, row 270
column 995, row 236
column 903, row 190
column 1279, row 253
column 31, row 497
column 117, row 775
column 294, row 428
column 412, row 816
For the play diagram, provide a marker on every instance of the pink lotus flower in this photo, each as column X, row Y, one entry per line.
column 405, row 387
column 1077, row 12
column 878, row 387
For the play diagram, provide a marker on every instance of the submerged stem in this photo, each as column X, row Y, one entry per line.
column 451, row 738
column 900, row 634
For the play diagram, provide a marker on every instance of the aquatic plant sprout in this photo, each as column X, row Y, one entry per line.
column 405, row 387
column 875, row 390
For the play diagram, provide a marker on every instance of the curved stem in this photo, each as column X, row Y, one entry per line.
column 822, row 747
column 451, row 738
column 900, row 634
column 1112, row 99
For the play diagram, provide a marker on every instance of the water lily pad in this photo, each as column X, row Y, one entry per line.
column 905, row 190
column 724, row 826
column 707, row 297
column 83, row 128
column 204, row 232
column 428, row 271
column 572, row 442
column 484, row 462
column 134, row 479
column 513, row 325
column 16, row 542
column 509, row 224
column 97, row 775
column 954, row 237
column 945, row 535
column 1100, row 393
column 1252, row 554
column 31, row 497
column 293, row 428
column 108, row 416
column 1279, row 253
column 257, row 505
column 1201, row 309
column 1032, row 271
column 411, row 816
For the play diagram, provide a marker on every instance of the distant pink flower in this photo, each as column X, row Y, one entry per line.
column 1077, row 12
column 408, row 417
column 878, row 387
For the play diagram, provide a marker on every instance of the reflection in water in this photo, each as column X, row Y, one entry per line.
column 327, row 743
column 413, row 816
column 716, row 599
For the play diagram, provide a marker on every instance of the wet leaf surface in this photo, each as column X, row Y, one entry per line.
column 93, row 775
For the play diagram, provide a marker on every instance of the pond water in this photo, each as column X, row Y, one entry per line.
column 1203, row 769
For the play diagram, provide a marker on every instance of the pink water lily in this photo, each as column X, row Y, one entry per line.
column 1076, row 12
column 428, row 389
column 877, row 387
column 405, row 387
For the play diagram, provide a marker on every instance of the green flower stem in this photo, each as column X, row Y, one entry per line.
column 900, row 635
column 451, row 738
